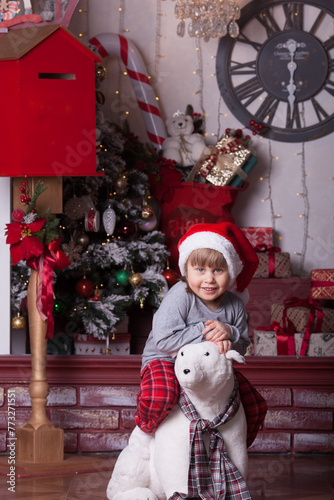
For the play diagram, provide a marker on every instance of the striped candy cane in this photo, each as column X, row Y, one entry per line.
column 12, row 10
column 113, row 44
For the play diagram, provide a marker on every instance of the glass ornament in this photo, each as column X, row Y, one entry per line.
column 109, row 220
column 148, row 225
column 18, row 322
column 59, row 306
column 84, row 287
column 135, row 279
column 126, row 229
column 122, row 277
column 233, row 29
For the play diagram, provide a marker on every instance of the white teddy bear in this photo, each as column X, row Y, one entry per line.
column 184, row 146
column 155, row 467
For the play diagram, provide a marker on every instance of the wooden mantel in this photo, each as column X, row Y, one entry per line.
column 264, row 371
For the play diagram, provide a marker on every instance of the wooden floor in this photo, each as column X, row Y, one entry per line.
column 271, row 477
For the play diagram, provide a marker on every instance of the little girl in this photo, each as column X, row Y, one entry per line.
column 212, row 257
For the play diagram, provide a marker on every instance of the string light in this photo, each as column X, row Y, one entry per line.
column 84, row 18
column 271, row 203
column 306, row 212
column 157, row 40
column 200, row 92
column 121, row 29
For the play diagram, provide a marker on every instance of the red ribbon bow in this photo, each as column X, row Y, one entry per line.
column 270, row 250
column 315, row 318
column 51, row 258
column 285, row 338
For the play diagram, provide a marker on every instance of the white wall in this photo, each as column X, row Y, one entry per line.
column 5, row 212
column 176, row 78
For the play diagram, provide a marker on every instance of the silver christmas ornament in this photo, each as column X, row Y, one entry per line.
column 109, row 220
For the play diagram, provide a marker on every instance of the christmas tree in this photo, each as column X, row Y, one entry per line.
column 109, row 233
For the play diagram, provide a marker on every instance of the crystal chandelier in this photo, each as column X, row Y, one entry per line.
column 208, row 18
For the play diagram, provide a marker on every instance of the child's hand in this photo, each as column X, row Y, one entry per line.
column 224, row 346
column 219, row 333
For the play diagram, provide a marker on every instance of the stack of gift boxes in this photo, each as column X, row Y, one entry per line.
column 299, row 326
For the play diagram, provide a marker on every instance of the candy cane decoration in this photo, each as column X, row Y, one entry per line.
column 113, row 44
column 9, row 10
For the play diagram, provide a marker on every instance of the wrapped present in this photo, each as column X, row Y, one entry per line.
column 305, row 315
column 221, row 163
column 274, row 340
column 258, row 235
column 247, row 167
column 266, row 343
column 320, row 344
column 272, row 262
column 88, row 345
column 322, row 284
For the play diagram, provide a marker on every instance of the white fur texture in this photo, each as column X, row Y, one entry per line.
column 154, row 467
column 183, row 146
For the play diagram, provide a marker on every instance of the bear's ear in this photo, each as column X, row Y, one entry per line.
column 235, row 356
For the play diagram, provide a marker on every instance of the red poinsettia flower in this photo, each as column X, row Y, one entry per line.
column 23, row 240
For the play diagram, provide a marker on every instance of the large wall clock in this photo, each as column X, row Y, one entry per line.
column 280, row 70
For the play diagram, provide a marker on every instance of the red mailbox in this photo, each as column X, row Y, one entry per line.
column 47, row 84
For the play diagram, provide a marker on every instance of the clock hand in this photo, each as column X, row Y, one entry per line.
column 292, row 46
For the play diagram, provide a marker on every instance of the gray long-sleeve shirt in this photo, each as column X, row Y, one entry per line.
column 180, row 320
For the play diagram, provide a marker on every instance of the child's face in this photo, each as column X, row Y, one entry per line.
column 208, row 283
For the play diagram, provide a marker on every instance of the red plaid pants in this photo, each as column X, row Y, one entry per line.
column 159, row 392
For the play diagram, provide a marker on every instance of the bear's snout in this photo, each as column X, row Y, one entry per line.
column 186, row 371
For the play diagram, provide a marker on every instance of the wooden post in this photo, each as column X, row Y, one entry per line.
column 38, row 441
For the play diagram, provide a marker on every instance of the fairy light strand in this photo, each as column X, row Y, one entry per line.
column 271, row 203
column 120, row 93
column 219, row 115
column 306, row 212
column 157, row 41
column 84, row 18
column 199, row 72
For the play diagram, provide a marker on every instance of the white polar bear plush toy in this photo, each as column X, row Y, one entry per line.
column 183, row 146
column 156, row 467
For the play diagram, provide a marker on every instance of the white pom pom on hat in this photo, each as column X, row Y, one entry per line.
column 229, row 240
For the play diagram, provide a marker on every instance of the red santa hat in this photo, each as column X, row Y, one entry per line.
column 227, row 239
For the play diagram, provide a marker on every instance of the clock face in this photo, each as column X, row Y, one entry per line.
column 279, row 72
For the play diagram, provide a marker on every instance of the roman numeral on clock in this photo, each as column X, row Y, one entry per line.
column 248, row 91
column 247, row 68
column 294, row 16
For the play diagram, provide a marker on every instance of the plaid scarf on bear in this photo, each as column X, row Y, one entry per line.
column 214, row 477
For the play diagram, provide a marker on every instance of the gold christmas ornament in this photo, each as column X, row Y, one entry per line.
column 147, row 212
column 100, row 72
column 81, row 238
column 135, row 279
column 121, row 182
column 18, row 322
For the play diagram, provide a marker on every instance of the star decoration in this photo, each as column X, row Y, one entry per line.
column 72, row 250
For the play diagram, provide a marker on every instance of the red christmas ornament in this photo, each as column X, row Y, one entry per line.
column 171, row 276
column 126, row 229
column 84, row 287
